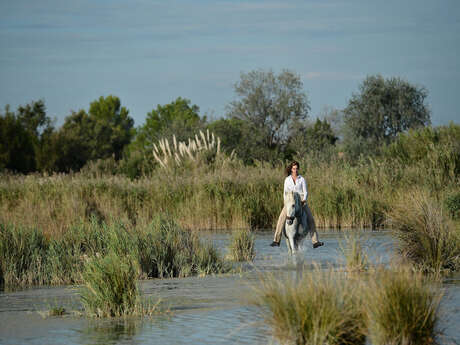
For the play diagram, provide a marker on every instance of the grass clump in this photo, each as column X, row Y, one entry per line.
column 110, row 286
column 166, row 250
column 242, row 245
column 321, row 308
column 356, row 259
column 402, row 308
column 427, row 237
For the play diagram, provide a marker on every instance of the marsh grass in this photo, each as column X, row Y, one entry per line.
column 169, row 251
column 110, row 288
column 320, row 308
column 402, row 308
column 242, row 245
column 162, row 248
column 356, row 259
column 22, row 256
column 427, row 236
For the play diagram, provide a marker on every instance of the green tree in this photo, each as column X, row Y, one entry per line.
column 240, row 136
column 112, row 127
column 74, row 142
column 382, row 109
column 25, row 135
column 272, row 104
column 101, row 133
column 17, row 151
column 317, row 138
column 177, row 118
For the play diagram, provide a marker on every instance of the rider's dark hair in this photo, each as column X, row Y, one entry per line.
column 289, row 167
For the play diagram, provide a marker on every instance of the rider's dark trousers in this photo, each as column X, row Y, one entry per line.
column 311, row 226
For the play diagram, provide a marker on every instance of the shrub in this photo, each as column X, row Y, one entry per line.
column 242, row 245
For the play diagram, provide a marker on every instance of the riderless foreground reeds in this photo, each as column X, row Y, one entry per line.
column 389, row 307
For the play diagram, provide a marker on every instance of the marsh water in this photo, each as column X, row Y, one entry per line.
column 203, row 310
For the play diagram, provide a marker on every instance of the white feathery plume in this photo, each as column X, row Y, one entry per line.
column 167, row 146
column 175, row 142
column 204, row 140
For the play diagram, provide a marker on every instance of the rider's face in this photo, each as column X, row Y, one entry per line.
column 294, row 170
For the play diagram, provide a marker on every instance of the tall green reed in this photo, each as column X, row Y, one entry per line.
column 110, row 286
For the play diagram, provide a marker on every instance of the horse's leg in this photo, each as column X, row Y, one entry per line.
column 309, row 220
column 293, row 245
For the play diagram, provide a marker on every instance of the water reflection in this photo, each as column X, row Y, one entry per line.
column 121, row 331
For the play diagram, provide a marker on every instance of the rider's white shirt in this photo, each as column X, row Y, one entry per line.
column 300, row 186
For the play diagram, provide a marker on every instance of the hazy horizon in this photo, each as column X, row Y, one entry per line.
column 151, row 52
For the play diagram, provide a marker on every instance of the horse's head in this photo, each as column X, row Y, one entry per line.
column 292, row 204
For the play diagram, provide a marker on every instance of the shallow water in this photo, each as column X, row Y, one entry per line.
column 209, row 310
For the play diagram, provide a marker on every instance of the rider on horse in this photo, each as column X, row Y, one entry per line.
column 295, row 182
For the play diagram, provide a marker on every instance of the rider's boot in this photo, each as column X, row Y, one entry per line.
column 318, row 244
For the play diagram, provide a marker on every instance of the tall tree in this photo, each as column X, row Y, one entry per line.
column 102, row 132
column 382, row 109
column 17, row 150
column 178, row 118
column 271, row 103
column 111, row 127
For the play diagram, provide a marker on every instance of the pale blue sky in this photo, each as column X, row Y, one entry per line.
column 150, row 52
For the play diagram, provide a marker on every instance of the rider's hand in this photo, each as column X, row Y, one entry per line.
column 304, row 202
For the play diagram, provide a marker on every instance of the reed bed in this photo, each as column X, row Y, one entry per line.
column 162, row 249
column 203, row 188
column 242, row 245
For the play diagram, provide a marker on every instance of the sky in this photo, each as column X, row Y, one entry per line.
column 146, row 52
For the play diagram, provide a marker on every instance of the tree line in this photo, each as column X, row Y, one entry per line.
column 268, row 121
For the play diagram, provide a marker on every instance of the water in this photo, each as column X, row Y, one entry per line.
column 209, row 310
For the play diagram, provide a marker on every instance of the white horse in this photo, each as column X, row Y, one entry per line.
column 295, row 228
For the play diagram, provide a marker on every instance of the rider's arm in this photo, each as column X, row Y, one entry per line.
column 286, row 189
column 304, row 190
